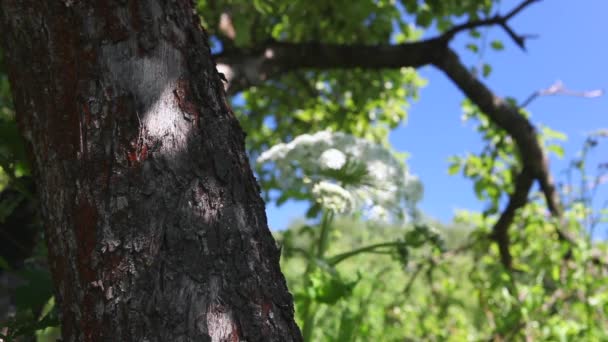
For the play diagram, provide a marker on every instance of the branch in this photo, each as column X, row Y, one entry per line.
column 505, row 116
column 502, row 21
column 247, row 68
column 518, row 199
column 244, row 68
column 558, row 88
column 508, row 117
column 519, row 8
column 336, row 259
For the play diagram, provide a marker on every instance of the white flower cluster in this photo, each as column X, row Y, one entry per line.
column 333, row 197
column 385, row 189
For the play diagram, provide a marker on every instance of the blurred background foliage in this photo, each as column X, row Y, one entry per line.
column 355, row 277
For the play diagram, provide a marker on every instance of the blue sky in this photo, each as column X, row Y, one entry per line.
column 571, row 47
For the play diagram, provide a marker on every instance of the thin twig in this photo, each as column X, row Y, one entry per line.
column 558, row 88
column 495, row 20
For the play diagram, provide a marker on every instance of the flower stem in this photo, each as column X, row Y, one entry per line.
column 308, row 311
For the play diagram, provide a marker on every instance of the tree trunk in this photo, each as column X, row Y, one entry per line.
column 153, row 219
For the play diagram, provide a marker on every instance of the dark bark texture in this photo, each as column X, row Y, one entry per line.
column 153, row 219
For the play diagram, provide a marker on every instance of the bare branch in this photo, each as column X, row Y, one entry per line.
column 251, row 67
column 519, row 8
column 558, row 88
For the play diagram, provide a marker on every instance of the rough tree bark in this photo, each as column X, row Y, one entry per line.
column 154, row 223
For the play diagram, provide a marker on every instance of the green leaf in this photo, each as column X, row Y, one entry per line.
column 262, row 6
column 411, row 5
column 480, row 186
column 327, row 286
column 4, row 264
column 314, row 210
column 424, row 18
column 36, row 292
column 474, row 33
column 282, row 199
column 497, row 45
column 241, row 25
column 487, row 69
column 550, row 134
column 558, row 150
column 473, row 47
column 453, row 169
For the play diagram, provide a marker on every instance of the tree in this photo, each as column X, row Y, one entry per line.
column 154, row 223
column 253, row 62
column 299, row 67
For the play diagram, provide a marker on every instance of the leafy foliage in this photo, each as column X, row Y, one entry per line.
column 359, row 279
column 412, row 282
column 351, row 101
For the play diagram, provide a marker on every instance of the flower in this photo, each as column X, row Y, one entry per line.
column 333, row 159
column 378, row 213
column 344, row 174
column 333, row 197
